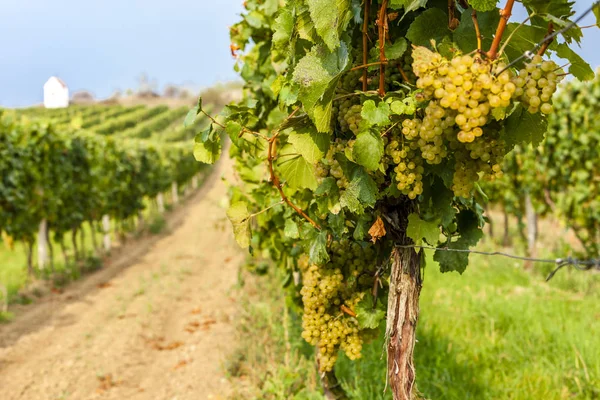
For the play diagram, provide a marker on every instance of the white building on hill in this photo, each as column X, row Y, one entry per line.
column 56, row 93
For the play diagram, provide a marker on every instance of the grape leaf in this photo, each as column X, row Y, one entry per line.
column 291, row 229
column 468, row 227
column 330, row 18
column 368, row 149
column 362, row 226
column 408, row 5
column 309, row 143
column 523, row 127
column 431, row 24
column 318, row 248
column 283, row 28
column 295, row 170
column 522, row 38
column 317, row 74
column 337, row 223
column 464, row 36
column 483, row 5
column 207, row 152
column 239, row 216
column 190, row 118
column 579, row 68
column 470, row 234
column 558, row 8
column 396, row 50
column 367, row 316
column 376, row 115
column 418, row 230
column 362, row 189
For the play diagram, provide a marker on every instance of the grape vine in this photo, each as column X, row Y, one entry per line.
column 374, row 123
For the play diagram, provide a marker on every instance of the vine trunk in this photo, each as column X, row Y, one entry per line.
column 402, row 316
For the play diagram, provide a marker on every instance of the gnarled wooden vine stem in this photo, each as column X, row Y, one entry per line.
column 365, row 32
column 382, row 30
column 402, row 316
column 505, row 14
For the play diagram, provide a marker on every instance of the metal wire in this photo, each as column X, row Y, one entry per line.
column 581, row 265
column 530, row 53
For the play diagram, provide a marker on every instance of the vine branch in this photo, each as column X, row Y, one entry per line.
column 382, row 29
column 477, row 30
column 271, row 156
column 505, row 14
column 365, row 44
column 365, row 66
column 547, row 42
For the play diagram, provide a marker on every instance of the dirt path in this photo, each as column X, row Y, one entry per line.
column 154, row 324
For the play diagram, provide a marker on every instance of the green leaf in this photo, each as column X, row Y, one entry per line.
column 255, row 19
column 464, row 36
column 190, row 118
column 522, row 38
column 523, row 127
column 283, row 28
column 499, row 113
column 295, row 170
column 337, row 223
column 362, row 190
column 470, row 234
column 330, row 18
column 579, row 68
column 318, row 248
column 558, row 8
column 309, row 143
column 239, row 216
column 367, row 316
column 362, row 227
column 396, row 50
column 368, row 149
column 483, row 5
column 597, row 14
column 291, row 229
column 207, row 152
column 431, row 24
column 376, row 115
column 418, row 230
column 317, row 75
column 468, row 227
column 408, row 5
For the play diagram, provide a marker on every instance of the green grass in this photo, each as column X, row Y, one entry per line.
column 496, row 332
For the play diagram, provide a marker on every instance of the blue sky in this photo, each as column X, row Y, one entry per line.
column 106, row 45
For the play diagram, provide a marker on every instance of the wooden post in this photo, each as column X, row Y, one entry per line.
column 174, row 193
column 160, row 201
column 532, row 229
column 106, row 230
column 42, row 248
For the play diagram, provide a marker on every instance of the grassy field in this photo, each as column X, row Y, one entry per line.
column 496, row 332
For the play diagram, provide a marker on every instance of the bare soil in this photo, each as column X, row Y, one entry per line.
column 154, row 323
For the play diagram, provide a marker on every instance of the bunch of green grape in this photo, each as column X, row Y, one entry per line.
column 329, row 166
column 536, row 83
column 408, row 163
column 330, row 289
